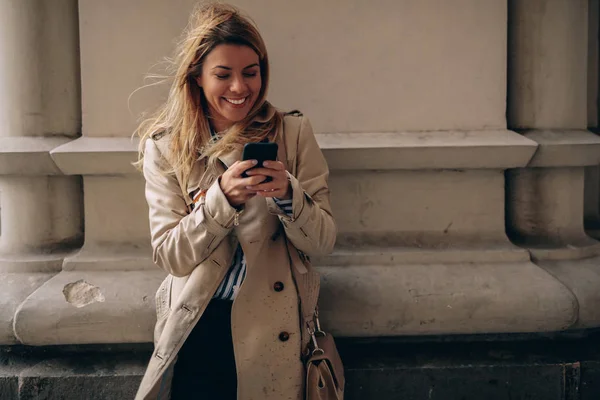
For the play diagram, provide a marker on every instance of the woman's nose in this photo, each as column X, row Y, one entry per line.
column 238, row 85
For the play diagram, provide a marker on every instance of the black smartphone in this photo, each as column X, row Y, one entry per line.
column 261, row 152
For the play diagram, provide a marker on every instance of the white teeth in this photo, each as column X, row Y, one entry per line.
column 236, row 102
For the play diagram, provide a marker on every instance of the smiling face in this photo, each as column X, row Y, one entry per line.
column 231, row 83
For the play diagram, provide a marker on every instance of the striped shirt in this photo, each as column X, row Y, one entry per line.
column 237, row 271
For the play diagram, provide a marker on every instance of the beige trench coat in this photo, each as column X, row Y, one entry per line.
column 196, row 249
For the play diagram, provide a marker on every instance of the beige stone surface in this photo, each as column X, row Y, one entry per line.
column 97, row 156
column 592, row 198
column 582, row 277
column 113, row 256
column 593, row 64
column 352, row 67
column 109, row 202
column 127, row 314
column 433, row 299
column 29, row 155
column 564, row 148
column 14, row 289
column 498, row 149
column 545, row 207
column 39, row 76
column 547, row 64
column 348, row 151
column 380, row 255
column 369, row 300
column 421, row 209
column 39, row 214
column 117, row 235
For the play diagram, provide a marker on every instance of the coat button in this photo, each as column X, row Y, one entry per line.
column 284, row 336
column 278, row 286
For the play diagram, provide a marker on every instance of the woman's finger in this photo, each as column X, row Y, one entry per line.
column 269, row 186
column 251, row 180
column 263, row 171
column 238, row 167
column 276, row 165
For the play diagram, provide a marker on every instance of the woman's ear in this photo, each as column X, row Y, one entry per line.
column 199, row 80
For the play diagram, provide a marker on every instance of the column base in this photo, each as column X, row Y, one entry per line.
column 15, row 288
column 81, row 307
column 443, row 297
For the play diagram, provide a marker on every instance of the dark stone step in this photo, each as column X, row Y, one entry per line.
column 507, row 367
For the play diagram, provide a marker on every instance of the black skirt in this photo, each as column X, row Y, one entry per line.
column 205, row 367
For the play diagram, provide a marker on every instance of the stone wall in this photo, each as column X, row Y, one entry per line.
column 456, row 133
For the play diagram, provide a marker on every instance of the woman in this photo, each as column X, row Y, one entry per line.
column 228, row 312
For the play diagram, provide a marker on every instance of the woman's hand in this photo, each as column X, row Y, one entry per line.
column 234, row 187
column 280, row 185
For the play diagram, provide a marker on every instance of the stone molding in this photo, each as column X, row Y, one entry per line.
column 482, row 149
column 564, row 148
column 21, row 155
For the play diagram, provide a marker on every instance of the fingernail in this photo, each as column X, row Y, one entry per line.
column 254, row 162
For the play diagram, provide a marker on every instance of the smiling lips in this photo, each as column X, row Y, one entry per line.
column 237, row 102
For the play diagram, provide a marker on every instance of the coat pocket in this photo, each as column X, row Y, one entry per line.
column 163, row 305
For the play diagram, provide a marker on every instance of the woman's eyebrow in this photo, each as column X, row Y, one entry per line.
column 229, row 68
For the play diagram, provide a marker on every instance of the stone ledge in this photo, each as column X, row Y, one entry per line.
column 111, row 257
column 371, row 255
column 97, row 156
column 29, row 155
column 564, row 148
column 33, row 262
column 498, row 149
column 585, row 248
column 482, row 149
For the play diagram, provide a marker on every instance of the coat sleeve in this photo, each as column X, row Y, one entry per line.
column 310, row 227
column 181, row 241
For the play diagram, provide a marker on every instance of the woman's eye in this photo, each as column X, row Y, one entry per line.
column 222, row 76
column 250, row 74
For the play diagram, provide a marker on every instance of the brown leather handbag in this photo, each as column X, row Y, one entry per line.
column 324, row 369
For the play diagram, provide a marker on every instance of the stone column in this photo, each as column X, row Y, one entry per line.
column 105, row 292
column 592, row 173
column 40, row 209
column 547, row 103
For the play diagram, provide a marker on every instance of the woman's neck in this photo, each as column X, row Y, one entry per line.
column 219, row 125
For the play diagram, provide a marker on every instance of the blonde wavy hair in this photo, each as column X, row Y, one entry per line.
column 184, row 115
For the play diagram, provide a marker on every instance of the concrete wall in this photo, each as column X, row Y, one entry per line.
column 379, row 66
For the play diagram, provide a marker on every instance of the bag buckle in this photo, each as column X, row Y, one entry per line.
column 319, row 332
column 314, row 330
column 316, row 350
